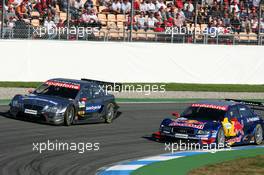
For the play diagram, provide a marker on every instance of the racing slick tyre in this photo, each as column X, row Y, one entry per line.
column 220, row 138
column 69, row 116
column 258, row 135
column 110, row 113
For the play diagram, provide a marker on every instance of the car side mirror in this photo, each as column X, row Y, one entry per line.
column 30, row 91
column 176, row 114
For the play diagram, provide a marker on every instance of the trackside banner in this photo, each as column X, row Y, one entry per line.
column 131, row 62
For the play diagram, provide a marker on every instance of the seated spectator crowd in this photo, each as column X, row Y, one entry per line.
column 155, row 15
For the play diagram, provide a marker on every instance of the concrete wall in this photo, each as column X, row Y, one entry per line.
column 27, row 60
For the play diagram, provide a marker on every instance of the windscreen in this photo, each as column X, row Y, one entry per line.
column 58, row 91
column 202, row 113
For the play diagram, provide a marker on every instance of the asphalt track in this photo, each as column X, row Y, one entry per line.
column 126, row 138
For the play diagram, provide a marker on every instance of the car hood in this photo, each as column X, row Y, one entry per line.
column 44, row 100
column 197, row 124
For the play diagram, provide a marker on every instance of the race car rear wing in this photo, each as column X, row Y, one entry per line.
column 106, row 85
column 252, row 104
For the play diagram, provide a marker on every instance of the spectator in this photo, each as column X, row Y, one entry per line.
column 151, row 21
column 141, row 22
column 116, row 6
column 143, row 6
column 246, row 26
column 188, row 4
column 158, row 28
column 188, row 14
column 151, row 8
column 236, row 24
column 50, row 28
column 88, row 4
column 125, row 7
column 254, row 25
column 21, row 11
column 78, row 4
column 160, row 4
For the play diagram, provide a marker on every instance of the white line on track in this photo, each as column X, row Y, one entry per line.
column 124, row 167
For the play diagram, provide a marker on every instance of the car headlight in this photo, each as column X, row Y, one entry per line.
column 203, row 132
column 16, row 103
column 52, row 109
column 166, row 129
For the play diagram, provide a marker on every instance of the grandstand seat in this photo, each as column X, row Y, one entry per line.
column 103, row 32
column 121, row 18
column 243, row 36
column 151, row 34
column 95, row 2
column 102, row 18
column 120, row 25
column 253, row 37
column 141, row 34
column 111, row 18
column 113, row 33
column 101, row 9
column 111, row 25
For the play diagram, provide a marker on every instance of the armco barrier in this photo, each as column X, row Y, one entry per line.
column 27, row 60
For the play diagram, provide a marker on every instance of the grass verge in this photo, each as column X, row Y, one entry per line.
column 182, row 166
column 242, row 166
column 168, row 86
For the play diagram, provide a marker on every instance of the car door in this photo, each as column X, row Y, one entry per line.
column 85, row 99
column 233, row 127
column 246, row 113
column 94, row 105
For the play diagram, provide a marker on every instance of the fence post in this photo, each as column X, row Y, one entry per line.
column 2, row 20
column 259, row 20
column 68, row 19
column 131, row 20
column 195, row 21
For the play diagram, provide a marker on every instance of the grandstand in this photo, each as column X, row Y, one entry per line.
column 178, row 21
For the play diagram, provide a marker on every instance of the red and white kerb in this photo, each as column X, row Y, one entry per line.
column 223, row 108
column 63, row 84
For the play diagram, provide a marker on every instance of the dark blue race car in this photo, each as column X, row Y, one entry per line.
column 66, row 101
column 221, row 122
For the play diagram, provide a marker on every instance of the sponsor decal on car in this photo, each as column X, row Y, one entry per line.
column 234, row 140
column 63, row 84
column 93, row 108
column 232, row 128
column 32, row 112
column 188, row 123
column 253, row 119
column 223, row 108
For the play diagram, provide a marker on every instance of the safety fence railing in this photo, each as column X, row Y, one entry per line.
column 94, row 34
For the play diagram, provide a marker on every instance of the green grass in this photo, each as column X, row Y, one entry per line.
column 182, row 166
column 20, row 84
column 242, row 166
column 168, row 86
